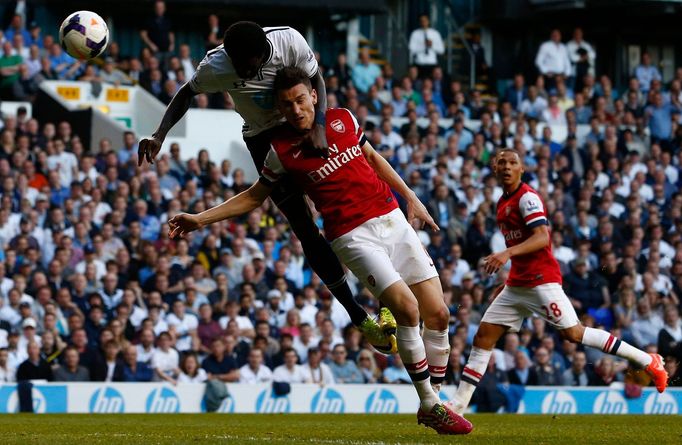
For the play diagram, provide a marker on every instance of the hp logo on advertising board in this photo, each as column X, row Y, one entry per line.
column 162, row 400
column 660, row 404
column 39, row 401
column 269, row 403
column 381, row 401
column 106, row 400
column 610, row 402
column 327, row 401
column 559, row 402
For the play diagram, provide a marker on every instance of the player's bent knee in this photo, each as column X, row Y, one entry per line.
column 573, row 334
column 438, row 318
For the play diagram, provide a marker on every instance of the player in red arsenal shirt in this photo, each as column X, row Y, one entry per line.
column 533, row 286
column 352, row 190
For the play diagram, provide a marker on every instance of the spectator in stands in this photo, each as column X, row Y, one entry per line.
column 7, row 371
column 185, row 327
column 547, row 374
column 517, row 92
column 670, row 337
column 605, row 372
column 659, row 115
column 425, row 45
column 587, row 289
column 190, row 372
column 396, row 372
column 365, row 72
column 165, row 359
column 344, row 370
column 577, row 374
column 645, row 73
column 534, row 105
column 111, row 74
column 10, row 65
column 289, row 371
column 573, row 47
column 17, row 25
column 648, row 324
column 552, row 59
column 34, row 367
column 157, row 34
column 315, row 371
column 220, row 366
column 71, row 370
column 255, row 371
column 368, row 366
column 522, row 373
column 133, row 370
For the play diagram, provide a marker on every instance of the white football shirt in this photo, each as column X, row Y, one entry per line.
column 254, row 98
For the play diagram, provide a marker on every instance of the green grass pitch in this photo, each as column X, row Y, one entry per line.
column 331, row 429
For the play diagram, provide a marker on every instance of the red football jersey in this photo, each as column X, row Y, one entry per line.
column 517, row 215
column 344, row 187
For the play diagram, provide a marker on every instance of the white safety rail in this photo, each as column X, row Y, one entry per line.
column 102, row 397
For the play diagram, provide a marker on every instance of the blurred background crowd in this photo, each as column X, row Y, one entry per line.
column 91, row 288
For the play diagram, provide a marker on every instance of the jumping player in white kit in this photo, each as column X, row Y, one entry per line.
column 245, row 66
column 352, row 190
column 533, row 286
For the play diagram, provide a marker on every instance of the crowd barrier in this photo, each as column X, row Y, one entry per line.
column 309, row 398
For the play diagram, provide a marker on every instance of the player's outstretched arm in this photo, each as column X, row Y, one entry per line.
column 415, row 208
column 150, row 147
column 244, row 202
column 538, row 240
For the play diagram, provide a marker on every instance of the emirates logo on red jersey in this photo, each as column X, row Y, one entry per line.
column 338, row 126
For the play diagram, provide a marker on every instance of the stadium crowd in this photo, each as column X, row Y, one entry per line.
column 91, row 288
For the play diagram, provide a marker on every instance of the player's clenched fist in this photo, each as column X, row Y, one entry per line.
column 148, row 149
column 183, row 223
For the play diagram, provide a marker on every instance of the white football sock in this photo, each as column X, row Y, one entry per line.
column 603, row 340
column 413, row 355
column 437, row 347
column 471, row 376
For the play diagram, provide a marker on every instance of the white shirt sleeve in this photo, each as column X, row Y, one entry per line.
column 532, row 210
column 299, row 54
column 272, row 167
column 204, row 79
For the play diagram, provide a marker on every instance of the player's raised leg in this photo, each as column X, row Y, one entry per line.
column 551, row 303
column 596, row 338
column 327, row 266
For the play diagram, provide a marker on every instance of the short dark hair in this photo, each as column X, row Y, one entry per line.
column 289, row 77
column 244, row 40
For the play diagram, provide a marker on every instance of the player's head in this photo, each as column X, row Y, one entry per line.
column 508, row 167
column 296, row 97
column 247, row 46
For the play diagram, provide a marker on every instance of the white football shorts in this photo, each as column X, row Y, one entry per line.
column 382, row 251
column 549, row 301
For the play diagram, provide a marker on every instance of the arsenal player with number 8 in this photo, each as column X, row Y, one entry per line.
column 533, row 286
